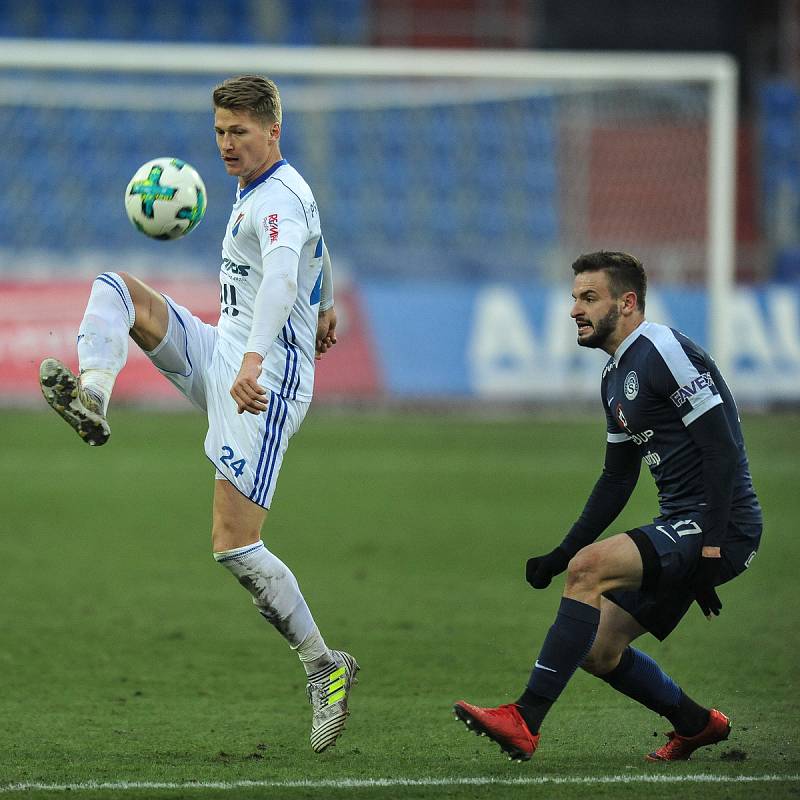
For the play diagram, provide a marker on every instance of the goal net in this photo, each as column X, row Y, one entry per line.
column 426, row 165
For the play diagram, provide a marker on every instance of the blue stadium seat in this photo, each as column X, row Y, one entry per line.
column 780, row 99
column 787, row 265
column 781, row 138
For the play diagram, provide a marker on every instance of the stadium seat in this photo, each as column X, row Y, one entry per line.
column 787, row 265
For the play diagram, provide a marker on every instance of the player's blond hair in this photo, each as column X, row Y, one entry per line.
column 253, row 93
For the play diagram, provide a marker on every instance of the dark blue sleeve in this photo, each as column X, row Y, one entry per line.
column 681, row 374
column 712, row 435
column 609, row 496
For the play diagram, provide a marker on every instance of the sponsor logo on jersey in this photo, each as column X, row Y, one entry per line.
column 642, row 438
column 271, row 227
column 631, row 385
column 704, row 381
column 652, row 459
column 235, row 269
column 620, row 415
column 235, row 228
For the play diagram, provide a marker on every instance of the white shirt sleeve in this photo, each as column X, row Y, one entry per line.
column 281, row 222
column 274, row 299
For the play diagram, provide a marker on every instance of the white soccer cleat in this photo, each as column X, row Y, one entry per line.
column 82, row 411
column 328, row 699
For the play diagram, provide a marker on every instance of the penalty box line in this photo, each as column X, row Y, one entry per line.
column 369, row 783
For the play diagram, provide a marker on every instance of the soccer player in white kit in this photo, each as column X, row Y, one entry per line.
column 253, row 372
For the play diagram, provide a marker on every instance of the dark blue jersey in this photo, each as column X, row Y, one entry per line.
column 655, row 385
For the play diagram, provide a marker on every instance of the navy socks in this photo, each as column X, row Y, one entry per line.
column 565, row 647
column 639, row 677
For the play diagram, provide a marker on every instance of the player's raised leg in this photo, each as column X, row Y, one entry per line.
column 276, row 594
column 119, row 305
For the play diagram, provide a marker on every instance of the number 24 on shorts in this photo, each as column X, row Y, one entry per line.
column 236, row 466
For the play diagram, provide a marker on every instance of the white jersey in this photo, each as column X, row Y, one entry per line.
column 276, row 210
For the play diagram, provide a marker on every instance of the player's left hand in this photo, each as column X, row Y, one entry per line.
column 246, row 391
column 540, row 570
column 705, row 579
column 326, row 332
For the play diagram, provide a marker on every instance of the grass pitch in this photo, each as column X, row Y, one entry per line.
column 129, row 657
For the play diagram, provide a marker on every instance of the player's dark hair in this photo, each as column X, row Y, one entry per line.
column 252, row 93
column 625, row 272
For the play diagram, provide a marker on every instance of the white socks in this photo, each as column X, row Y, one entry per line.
column 103, row 335
column 277, row 597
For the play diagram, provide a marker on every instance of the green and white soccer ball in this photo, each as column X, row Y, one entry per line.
column 166, row 198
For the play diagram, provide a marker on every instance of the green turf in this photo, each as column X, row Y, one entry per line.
column 127, row 654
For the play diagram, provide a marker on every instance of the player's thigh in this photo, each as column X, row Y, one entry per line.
column 670, row 549
column 151, row 314
column 185, row 354
column 237, row 520
column 248, row 449
column 617, row 629
column 675, row 546
column 740, row 548
column 613, row 563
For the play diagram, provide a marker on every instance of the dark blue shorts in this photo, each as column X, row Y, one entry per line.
column 660, row 605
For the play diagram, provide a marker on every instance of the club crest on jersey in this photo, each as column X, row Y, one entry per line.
column 235, row 228
column 271, row 227
column 631, row 385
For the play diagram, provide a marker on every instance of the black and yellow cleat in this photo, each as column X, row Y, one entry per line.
column 80, row 410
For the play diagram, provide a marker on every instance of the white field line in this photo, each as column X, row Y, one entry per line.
column 395, row 782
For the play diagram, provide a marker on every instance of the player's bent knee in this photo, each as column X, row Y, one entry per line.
column 223, row 539
column 151, row 313
column 585, row 569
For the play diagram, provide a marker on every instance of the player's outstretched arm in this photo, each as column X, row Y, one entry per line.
column 609, row 496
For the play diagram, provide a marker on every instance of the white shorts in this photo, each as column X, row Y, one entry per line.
column 247, row 449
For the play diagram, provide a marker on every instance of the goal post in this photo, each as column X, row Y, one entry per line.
column 613, row 150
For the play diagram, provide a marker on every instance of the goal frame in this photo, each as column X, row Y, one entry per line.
column 718, row 71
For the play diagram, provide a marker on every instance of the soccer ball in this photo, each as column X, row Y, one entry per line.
column 166, row 198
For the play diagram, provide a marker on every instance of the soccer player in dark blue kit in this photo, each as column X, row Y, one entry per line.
column 666, row 404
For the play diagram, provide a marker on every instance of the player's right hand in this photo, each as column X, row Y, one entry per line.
column 540, row 570
column 249, row 395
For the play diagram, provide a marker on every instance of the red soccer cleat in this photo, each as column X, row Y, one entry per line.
column 680, row 748
column 503, row 725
